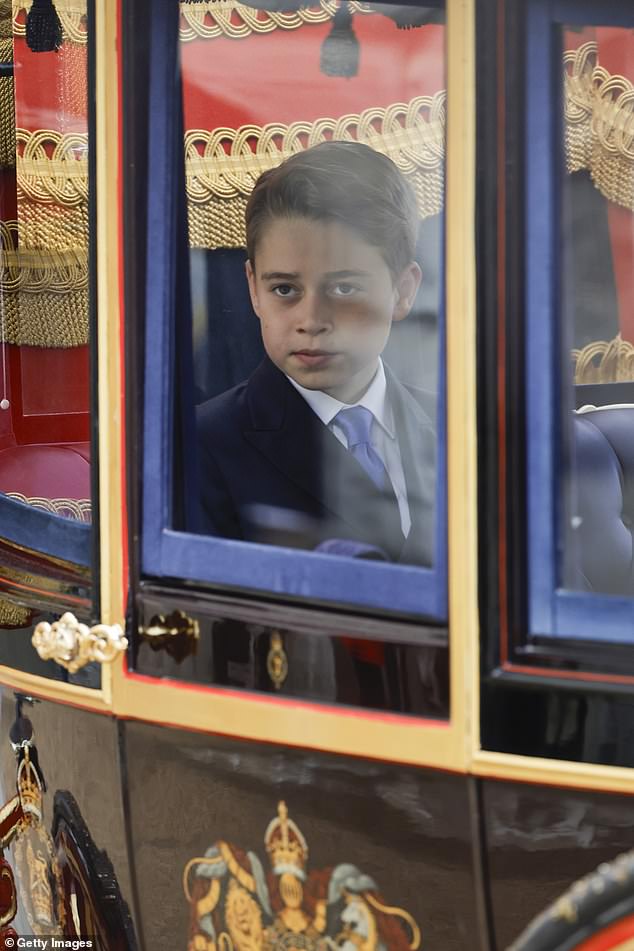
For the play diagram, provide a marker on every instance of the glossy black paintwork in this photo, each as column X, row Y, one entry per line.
column 541, row 839
column 78, row 755
column 410, row 829
column 331, row 656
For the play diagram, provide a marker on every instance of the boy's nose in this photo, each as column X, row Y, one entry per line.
column 313, row 316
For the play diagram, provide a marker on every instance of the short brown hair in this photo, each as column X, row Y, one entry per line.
column 346, row 182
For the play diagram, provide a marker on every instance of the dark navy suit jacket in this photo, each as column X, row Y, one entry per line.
column 269, row 470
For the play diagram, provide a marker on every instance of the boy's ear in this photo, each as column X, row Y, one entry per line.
column 248, row 267
column 406, row 288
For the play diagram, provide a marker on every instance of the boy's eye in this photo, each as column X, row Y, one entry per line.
column 284, row 290
column 344, row 290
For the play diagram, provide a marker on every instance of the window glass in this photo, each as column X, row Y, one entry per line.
column 314, row 372
column 44, row 298
column 597, row 297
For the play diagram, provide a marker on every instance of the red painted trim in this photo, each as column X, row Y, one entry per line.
column 8, row 583
column 609, row 939
column 290, row 704
column 567, row 674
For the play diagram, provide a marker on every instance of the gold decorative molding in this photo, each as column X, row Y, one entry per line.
column 604, row 361
column 72, row 644
column 223, row 165
column 215, row 18
column 72, row 15
column 599, row 124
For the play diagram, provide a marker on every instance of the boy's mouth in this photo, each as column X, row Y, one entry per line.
column 314, row 358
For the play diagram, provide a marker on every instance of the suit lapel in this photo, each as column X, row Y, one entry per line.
column 285, row 430
column 291, row 436
column 417, row 445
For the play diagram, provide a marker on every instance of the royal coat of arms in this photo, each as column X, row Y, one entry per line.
column 237, row 906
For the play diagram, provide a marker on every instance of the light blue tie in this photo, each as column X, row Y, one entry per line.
column 356, row 423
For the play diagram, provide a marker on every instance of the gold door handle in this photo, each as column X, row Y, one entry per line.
column 73, row 645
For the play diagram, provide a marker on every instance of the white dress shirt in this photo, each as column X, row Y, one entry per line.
column 382, row 433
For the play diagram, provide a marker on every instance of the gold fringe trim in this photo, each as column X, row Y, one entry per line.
column 46, row 319
column 223, row 165
column 604, row 361
column 235, row 20
column 51, row 227
column 72, row 15
column 599, row 132
column 77, row 509
column 34, row 271
column 43, row 292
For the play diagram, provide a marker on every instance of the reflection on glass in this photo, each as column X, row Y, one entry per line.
column 44, row 363
column 315, row 175
column 597, row 309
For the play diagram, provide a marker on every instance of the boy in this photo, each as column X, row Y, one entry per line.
column 322, row 447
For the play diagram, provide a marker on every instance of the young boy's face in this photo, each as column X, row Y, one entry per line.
column 326, row 301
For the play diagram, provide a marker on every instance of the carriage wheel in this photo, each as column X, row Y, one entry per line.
column 595, row 914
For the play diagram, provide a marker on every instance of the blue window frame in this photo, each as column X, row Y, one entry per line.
column 554, row 610
column 169, row 553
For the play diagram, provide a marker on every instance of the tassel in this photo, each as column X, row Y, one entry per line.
column 43, row 27
column 340, row 49
column 408, row 18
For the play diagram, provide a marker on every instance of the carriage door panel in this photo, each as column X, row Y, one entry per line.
column 294, row 750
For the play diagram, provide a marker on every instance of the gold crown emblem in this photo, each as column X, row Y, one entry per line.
column 29, row 789
column 285, row 844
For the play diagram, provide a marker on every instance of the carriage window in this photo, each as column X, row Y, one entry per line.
column 44, row 318
column 582, row 326
column 309, row 396
column 597, row 308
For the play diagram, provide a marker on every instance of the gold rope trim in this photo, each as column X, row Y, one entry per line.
column 198, row 20
column 604, row 361
column 599, row 132
column 235, row 20
column 33, row 271
column 223, row 165
column 52, row 166
column 7, row 122
column 72, row 15
column 77, row 509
